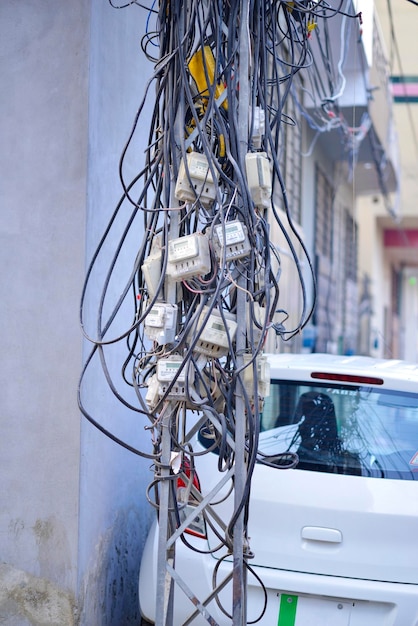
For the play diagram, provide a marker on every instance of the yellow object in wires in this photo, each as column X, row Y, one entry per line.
column 202, row 68
column 311, row 26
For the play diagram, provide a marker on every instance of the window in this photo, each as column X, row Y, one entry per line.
column 350, row 244
column 291, row 153
column 288, row 132
column 324, row 198
column 345, row 430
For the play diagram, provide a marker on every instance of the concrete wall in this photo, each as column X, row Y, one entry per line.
column 43, row 138
column 388, row 337
column 114, row 514
column 73, row 514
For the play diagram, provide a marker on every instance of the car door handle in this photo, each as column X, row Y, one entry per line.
column 319, row 533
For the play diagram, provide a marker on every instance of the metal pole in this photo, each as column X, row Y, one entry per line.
column 166, row 552
column 164, row 595
column 239, row 571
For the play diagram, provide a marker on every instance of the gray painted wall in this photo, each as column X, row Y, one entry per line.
column 43, row 138
column 114, row 514
column 73, row 513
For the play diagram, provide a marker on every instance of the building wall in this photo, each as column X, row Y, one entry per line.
column 114, row 514
column 391, row 334
column 409, row 336
column 374, row 269
column 401, row 52
column 43, row 138
column 73, row 512
column 333, row 327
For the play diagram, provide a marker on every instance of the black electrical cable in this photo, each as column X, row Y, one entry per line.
column 194, row 115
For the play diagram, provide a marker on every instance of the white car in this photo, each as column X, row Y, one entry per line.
column 335, row 540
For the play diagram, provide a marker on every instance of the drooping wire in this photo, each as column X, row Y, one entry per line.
column 194, row 111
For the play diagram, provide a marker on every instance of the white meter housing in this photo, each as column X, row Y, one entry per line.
column 151, row 267
column 258, row 126
column 167, row 369
column 195, row 180
column 236, row 243
column 160, row 323
column 152, row 396
column 263, row 376
column 188, row 256
column 214, row 339
column 258, row 171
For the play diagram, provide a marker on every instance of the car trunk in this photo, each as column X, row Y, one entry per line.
column 335, row 525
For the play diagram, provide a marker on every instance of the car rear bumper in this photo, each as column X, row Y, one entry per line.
column 290, row 595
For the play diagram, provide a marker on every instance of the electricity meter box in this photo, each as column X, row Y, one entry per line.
column 263, row 376
column 160, row 323
column 257, row 166
column 151, row 267
column 236, row 243
column 152, row 396
column 195, row 180
column 188, row 256
column 167, row 369
column 214, row 339
column 258, row 126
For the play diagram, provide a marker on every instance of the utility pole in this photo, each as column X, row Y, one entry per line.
column 239, row 573
column 167, row 577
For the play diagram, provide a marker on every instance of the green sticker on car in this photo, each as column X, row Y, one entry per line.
column 287, row 611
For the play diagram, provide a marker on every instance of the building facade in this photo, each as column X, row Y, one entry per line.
column 349, row 158
column 388, row 256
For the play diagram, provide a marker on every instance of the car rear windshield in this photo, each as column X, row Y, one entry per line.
column 343, row 429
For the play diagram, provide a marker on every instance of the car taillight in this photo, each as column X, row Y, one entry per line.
column 348, row 378
column 186, row 501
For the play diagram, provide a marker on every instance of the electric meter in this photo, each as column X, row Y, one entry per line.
column 188, row 256
column 236, row 244
column 195, row 180
column 183, row 248
column 257, row 167
column 160, row 323
column 215, row 338
column 167, row 369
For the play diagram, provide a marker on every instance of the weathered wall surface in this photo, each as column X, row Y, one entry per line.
column 27, row 600
column 114, row 514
